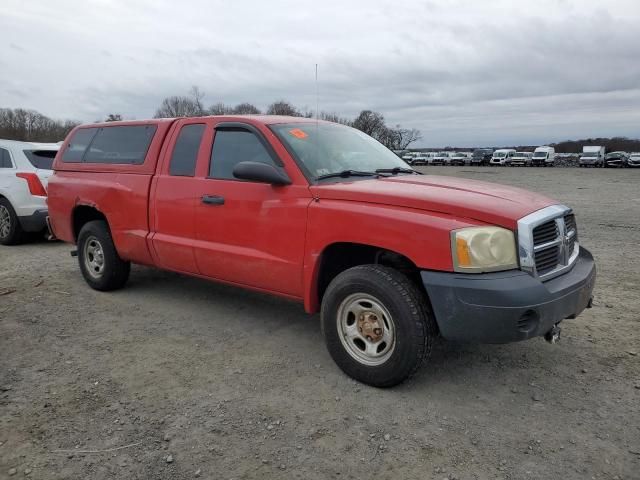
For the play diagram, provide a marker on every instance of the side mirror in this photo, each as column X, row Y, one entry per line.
column 261, row 172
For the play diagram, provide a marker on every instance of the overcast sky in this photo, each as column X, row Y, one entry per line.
column 465, row 73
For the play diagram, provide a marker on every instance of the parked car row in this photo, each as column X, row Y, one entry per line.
column 543, row 156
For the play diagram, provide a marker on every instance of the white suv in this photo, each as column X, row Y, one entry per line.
column 24, row 171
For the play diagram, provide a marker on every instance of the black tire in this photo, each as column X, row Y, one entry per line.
column 410, row 316
column 114, row 272
column 13, row 235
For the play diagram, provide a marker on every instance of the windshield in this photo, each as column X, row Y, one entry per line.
column 42, row 159
column 590, row 154
column 500, row 154
column 324, row 149
column 539, row 154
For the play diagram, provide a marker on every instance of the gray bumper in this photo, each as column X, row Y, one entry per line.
column 35, row 222
column 508, row 306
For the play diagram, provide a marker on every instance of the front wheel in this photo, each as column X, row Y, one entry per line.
column 377, row 325
column 101, row 266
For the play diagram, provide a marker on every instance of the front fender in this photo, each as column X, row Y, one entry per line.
column 421, row 236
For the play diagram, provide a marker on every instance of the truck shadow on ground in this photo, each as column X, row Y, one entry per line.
column 238, row 310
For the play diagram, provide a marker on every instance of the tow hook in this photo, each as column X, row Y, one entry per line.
column 553, row 335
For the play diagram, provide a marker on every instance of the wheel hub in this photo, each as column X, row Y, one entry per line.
column 369, row 326
column 366, row 329
column 94, row 257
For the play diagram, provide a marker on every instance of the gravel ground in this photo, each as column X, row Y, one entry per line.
column 175, row 377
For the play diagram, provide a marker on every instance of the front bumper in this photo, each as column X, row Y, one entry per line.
column 507, row 306
column 36, row 222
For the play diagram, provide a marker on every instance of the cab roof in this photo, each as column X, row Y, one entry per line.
column 264, row 119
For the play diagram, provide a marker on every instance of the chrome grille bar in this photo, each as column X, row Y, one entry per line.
column 548, row 242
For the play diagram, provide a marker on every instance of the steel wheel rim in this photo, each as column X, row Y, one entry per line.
column 366, row 329
column 93, row 257
column 5, row 221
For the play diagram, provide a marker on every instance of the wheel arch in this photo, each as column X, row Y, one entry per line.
column 82, row 214
column 337, row 257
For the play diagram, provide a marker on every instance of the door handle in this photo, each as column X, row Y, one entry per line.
column 213, row 200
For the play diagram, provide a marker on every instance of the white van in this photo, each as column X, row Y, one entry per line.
column 544, row 156
column 502, row 156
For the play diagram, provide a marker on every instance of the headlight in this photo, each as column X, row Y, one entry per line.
column 483, row 249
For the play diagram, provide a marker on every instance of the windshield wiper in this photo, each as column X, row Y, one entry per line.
column 396, row 170
column 349, row 173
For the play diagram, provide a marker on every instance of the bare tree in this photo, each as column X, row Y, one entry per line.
column 246, row 109
column 405, row 137
column 371, row 123
column 32, row 126
column 335, row 118
column 398, row 138
column 283, row 107
column 197, row 95
column 178, row 106
column 182, row 106
column 220, row 109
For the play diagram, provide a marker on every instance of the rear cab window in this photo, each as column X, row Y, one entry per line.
column 120, row 144
column 78, row 145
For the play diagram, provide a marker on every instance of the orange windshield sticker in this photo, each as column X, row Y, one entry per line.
column 296, row 132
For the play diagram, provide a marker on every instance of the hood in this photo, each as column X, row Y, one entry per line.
column 482, row 201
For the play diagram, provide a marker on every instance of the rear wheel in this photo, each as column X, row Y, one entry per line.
column 10, row 229
column 101, row 266
column 377, row 325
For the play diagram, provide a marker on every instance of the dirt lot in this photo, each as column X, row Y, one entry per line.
column 175, row 377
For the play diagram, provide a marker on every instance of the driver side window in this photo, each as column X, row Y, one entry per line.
column 232, row 146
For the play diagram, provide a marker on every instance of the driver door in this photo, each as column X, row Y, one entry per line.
column 249, row 233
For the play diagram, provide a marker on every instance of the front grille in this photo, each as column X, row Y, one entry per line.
column 572, row 230
column 547, row 232
column 570, row 222
column 547, row 260
column 548, row 241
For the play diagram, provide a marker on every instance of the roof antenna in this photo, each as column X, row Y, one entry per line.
column 317, row 117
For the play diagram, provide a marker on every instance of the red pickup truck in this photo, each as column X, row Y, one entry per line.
column 325, row 215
